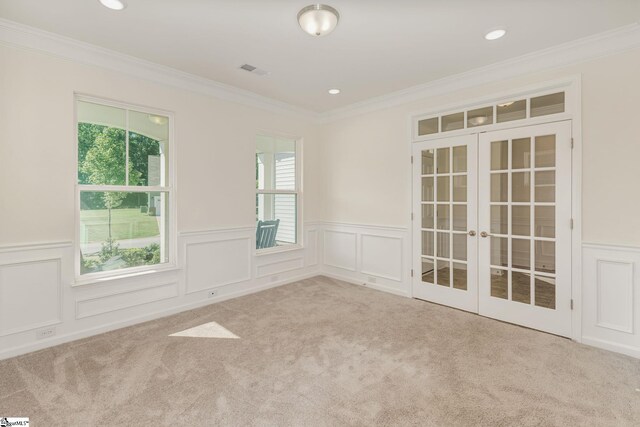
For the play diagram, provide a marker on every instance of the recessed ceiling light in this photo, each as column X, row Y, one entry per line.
column 495, row 34
column 334, row 91
column 113, row 4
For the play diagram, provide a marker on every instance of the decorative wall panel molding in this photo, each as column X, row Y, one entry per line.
column 217, row 259
column 340, row 249
column 101, row 304
column 381, row 256
column 611, row 298
column 30, row 295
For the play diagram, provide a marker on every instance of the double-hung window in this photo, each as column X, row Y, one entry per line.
column 124, row 190
column 278, row 192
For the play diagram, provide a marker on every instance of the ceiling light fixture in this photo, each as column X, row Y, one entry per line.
column 113, row 4
column 318, row 19
column 334, row 91
column 495, row 34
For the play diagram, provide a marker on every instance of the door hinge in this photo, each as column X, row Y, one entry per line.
column 571, row 304
column 571, row 223
column 412, row 272
column 411, row 216
column 571, row 143
column 411, row 159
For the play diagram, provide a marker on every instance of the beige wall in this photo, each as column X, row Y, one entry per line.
column 215, row 148
column 356, row 170
column 368, row 169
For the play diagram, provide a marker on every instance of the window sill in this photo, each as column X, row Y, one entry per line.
column 115, row 277
column 278, row 249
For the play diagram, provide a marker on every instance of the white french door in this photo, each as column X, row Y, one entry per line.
column 445, row 217
column 492, row 224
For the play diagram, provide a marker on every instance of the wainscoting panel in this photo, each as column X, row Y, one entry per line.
column 340, row 249
column 101, row 304
column 611, row 298
column 30, row 295
column 381, row 256
column 217, row 259
column 373, row 256
column 614, row 295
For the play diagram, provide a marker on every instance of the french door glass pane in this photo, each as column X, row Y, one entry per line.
column 427, row 270
column 521, row 182
column 427, row 189
column 427, row 243
column 443, row 188
column 546, row 187
column 443, row 245
column 545, row 151
column 460, row 276
column 444, row 273
column 521, row 149
column 443, row 160
column 499, row 283
column 521, row 220
column 499, row 251
column 459, row 218
column 545, row 256
column 499, row 155
column 460, row 159
column 427, row 216
column 499, row 220
column 545, row 292
column 443, row 217
column 521, row 253
column 521, row 287
column 545, row 224
column 459, row 247
column 427, row 162
column 499, row 187
column 460, row 188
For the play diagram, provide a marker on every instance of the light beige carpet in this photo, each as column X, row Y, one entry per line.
column 323, row 352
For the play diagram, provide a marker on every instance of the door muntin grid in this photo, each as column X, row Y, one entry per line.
column 444, row 209
column 522, row 220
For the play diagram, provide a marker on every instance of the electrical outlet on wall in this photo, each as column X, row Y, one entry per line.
column 45, row 333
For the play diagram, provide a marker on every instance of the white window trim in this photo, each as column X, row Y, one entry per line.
column 298, row 192
column 170, row 189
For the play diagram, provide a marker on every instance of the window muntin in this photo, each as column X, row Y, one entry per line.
column 123, row 192
column 277, row 191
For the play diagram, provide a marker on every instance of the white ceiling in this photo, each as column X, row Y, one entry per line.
column 379, row 46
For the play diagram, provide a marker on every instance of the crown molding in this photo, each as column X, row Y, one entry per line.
column 589, row 48
column 585, row 49
column 30, row 38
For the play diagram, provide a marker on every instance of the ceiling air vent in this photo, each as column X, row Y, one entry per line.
column 254, row 70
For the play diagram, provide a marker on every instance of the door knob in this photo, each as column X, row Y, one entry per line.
column 484, row 234
column 472, row 233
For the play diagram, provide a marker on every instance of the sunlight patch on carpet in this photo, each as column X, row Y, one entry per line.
column 207, row 330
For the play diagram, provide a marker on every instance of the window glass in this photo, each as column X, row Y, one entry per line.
column 277, row 189
column 125, row 226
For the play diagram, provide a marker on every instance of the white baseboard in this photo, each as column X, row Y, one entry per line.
column 375, row 286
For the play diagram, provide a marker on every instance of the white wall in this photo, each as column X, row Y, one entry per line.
column 215, row 141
